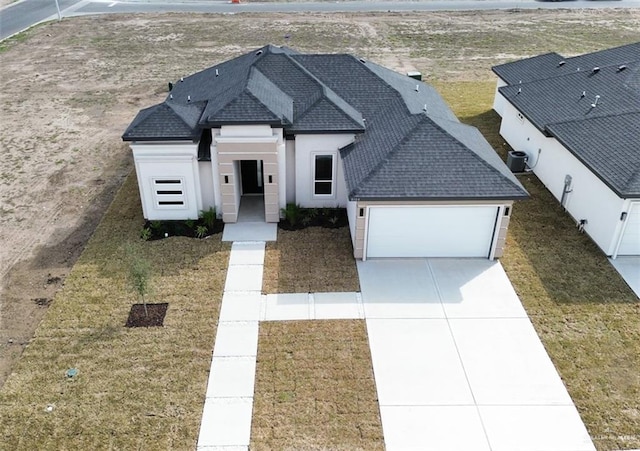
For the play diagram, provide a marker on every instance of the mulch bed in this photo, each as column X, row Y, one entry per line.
column 329, row 218
column 154, row 317
column 164, row 229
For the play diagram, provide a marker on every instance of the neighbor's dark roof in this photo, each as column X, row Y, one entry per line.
column 552, row 64
column 590, row 103
column 409, row 144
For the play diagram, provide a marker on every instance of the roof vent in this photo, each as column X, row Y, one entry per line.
column 424, row 108
column 417, row 88
column 584, row 93
column 595, row 70
column 362, row 60
column 415, row 75
column 562, row 63
column 188, row 98
column 595, row 102
column 217, row 73
column 519, row 91
column 181, row 79
column 259, row 52
column 171, row 96
column 621, row 68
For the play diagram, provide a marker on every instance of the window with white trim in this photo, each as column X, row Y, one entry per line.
column 169, row 192
column 324, row 170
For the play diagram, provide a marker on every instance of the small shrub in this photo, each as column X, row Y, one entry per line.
column 189, row 223
column 145, row 233
column 208, row 217
column 292, row 213
column 201, row 231
column 155, row 225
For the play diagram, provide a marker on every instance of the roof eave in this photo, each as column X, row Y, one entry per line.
column 156, row 138
column 621, row 194
column 208, row 124
column 323, row 132
column 443, row 198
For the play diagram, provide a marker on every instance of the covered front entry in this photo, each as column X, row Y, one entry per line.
column 248, row 167
column 252, row 177
column 431, row 231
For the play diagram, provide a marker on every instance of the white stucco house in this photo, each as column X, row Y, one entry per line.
column 578, row 121
column 325, row 131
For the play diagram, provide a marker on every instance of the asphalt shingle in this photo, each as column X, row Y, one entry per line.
column 408, row 144
column 590, row 103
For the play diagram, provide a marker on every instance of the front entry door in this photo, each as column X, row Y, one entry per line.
column 251, row 174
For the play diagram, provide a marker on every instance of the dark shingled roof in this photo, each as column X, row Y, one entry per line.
column 409, row 144
column 590, row 103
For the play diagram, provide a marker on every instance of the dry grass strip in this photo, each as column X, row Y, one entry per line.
column 585, row 314
column 315, row 388
column 137, row 388
column 311, row 260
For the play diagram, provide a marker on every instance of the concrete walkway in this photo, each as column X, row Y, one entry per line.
column 457, row 363
column 228, row 406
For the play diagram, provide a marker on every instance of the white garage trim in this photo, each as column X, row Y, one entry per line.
column 431, row 231
column 629, row 243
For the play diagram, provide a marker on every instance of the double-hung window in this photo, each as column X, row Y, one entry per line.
column 324, row 168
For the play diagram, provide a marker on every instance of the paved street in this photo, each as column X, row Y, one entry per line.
column 21, row 15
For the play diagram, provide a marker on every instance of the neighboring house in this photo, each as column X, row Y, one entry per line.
column 325, row 131
column 578, row 121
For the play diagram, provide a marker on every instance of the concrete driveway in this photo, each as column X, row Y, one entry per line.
column 457, row 363
column 629, row 269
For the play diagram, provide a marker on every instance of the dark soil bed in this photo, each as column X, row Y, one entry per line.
column 154, row 317
column 301, row 218
column 158, row 230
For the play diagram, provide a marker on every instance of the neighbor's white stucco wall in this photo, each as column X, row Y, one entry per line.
column 590, row 198
column 305, row 147
column 498, row 100
column 170, row 160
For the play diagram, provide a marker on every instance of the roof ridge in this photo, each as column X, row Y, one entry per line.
column 596, row 116
column 248, row 92
column 171, row 107
column 309, row 109
column 479, row 158
column 392, row 151
column 341, row 110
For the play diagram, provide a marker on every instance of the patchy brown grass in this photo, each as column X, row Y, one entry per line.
column 585, row 314
column 311, row 260
column 137, row 388
column 315, row 388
